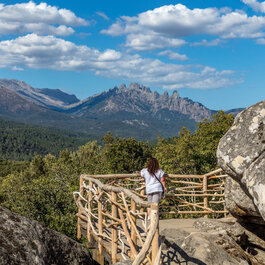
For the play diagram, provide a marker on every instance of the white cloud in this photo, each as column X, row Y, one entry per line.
column 49, row 52
column 115, row 29
column 261, row 41
column 257, row 6
column 207, row 43
column 109, row 55
column 167, row 24
column 103, row 15
column 174, row 55
column 180, row 21
column 15, row 68
column 141, row 42
column 41, row 19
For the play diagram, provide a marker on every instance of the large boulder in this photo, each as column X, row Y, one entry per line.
column 26, row 242
column 241, row 155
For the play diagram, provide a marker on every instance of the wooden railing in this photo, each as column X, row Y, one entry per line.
column 195, row 195
column 112, row 211
column 116, row 219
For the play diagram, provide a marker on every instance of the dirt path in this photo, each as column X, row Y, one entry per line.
column 183, row 224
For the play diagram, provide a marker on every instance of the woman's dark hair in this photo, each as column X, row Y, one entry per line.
column 152, row 166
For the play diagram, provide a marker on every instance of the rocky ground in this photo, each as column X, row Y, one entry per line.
column 210, row 242
column 217, row 242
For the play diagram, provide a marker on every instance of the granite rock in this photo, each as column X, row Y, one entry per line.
column 241, row 155
column 26, row 242
column 182, row 247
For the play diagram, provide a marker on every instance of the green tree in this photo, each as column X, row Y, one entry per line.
column 207, row 137
column 194, row 153
column 176, row 155
column 126, row 155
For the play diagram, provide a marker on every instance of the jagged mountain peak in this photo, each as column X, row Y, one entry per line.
column 137, row 100
column 127, row 111
column 132, row 87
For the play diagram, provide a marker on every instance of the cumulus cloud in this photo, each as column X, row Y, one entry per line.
column 49, row 52
column 179, row 20
column 142, row 42
column 173, row 55
column 41, row 19
column 109, row 55
column 171, row 22
column 257, row 6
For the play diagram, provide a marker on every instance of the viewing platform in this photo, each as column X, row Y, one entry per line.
column 112, row 213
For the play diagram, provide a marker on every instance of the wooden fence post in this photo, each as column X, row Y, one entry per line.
column 142, row 193
column 205, row 197
column 99, row 253
column 89, row 198
column 114, row 239
column 81, row 189
column 133, row 219
column 155, row 242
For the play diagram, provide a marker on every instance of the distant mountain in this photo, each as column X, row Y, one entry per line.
column 50, row 98
column 234, row 112
column 127, row 111
column 57, row 94
column 136, row 101
column 16, row 106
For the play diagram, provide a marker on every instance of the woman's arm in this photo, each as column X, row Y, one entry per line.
column 163, row 181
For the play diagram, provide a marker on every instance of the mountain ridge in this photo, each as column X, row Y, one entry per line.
column 127, row 111
column 141, row 101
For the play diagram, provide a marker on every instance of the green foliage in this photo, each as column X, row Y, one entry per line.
column 9, row 166
column 93, row 153
column 126, row 155
column 207, row 138
column 193, row 153
column 42, row 189
column 22, row 142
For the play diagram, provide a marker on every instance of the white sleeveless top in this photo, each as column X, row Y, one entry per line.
column 151, row 183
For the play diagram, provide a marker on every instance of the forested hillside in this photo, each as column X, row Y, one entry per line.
column 43, row 189
column 19, row 141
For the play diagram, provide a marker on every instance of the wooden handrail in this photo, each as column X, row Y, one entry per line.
column 95, row 200
column 110, row 212
column 109, row 188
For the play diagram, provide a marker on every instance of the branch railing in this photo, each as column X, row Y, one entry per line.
column 195, row 195
column 112, row 211
column 113, row 217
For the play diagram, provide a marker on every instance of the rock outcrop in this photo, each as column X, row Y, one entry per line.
column 26, row 242
column 241, row 155
column 201, row 247
column 211, row 242
column 228, row 235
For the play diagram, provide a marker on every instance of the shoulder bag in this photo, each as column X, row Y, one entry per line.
column 163, row 192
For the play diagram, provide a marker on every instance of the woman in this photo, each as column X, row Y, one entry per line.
column 154, row 181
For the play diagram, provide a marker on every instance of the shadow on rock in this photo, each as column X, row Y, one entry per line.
column 176, row 255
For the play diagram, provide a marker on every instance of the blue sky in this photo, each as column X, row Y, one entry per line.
column 211, row 51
